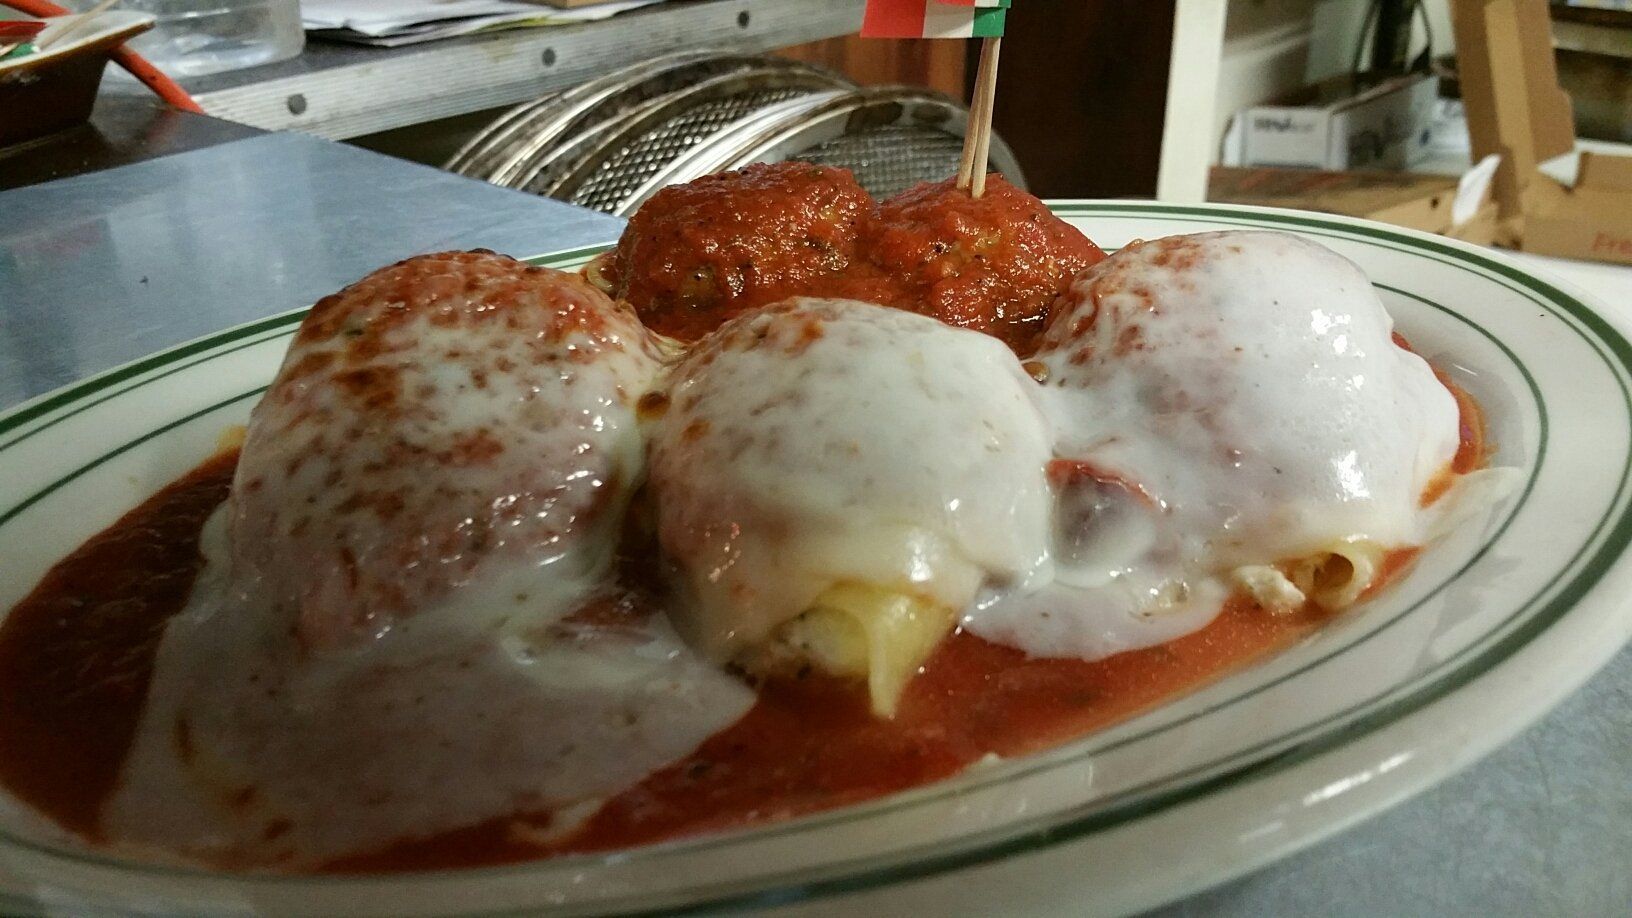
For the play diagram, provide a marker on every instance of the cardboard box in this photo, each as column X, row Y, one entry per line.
column 1516, row 109
column 1422, row 202
column 1592, row 220
column 1328, row 126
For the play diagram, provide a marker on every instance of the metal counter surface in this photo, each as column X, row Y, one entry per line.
column 122, row 130
column 103, row 268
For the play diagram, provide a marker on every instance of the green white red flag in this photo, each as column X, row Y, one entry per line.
column 934, row 18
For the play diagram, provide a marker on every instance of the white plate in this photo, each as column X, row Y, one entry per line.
column 1490, row 629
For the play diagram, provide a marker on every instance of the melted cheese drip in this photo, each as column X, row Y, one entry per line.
column 1223, row 401
column 384, row 646
column 495, row 703
column 819, row 443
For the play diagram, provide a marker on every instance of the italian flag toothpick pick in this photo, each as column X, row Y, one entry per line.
column 934, row 18
column 953, row 19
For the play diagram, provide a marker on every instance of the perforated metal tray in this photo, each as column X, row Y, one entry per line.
column 492, row 147
column 644, row 144
column 612, row 143
column 890, row 137
column 521, row 143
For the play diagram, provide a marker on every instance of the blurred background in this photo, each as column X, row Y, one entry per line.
column 1346, row 105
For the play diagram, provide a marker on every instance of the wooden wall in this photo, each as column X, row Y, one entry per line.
column 936, row 64
column 1082, row 89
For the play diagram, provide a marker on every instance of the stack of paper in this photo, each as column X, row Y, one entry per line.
column 406, row 22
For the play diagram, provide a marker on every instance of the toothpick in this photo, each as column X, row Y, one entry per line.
column 76, row 25
column 977, row 137
column 966, row 159
column 986, row 87
column 971, row 139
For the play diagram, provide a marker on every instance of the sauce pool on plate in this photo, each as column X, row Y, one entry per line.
column 76, row 656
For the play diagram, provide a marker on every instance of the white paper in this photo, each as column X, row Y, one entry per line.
column 385, row 18
column 1471, row 188
column 423, row 20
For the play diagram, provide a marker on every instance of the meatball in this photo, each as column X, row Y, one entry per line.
column 443, row 418
column 994, row 263
column 699, row 253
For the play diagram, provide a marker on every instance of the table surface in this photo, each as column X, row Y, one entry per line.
column 337, row 90
column 122, row 130
column 102, row 268
column 106, row 267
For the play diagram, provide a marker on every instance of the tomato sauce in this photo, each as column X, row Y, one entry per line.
column 812, row 743
column 993, row 264
column 76, row 654
column 76, row 657
column 697, row 254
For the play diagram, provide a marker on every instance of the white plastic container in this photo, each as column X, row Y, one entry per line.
column 195, row 37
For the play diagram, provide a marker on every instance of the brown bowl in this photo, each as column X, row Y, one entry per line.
column 54, row 89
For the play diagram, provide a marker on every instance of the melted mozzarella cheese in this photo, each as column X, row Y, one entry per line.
column 441, row 415
column 820, row 444
column 1224, row 401
column 522, row 696
column 394, row 635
